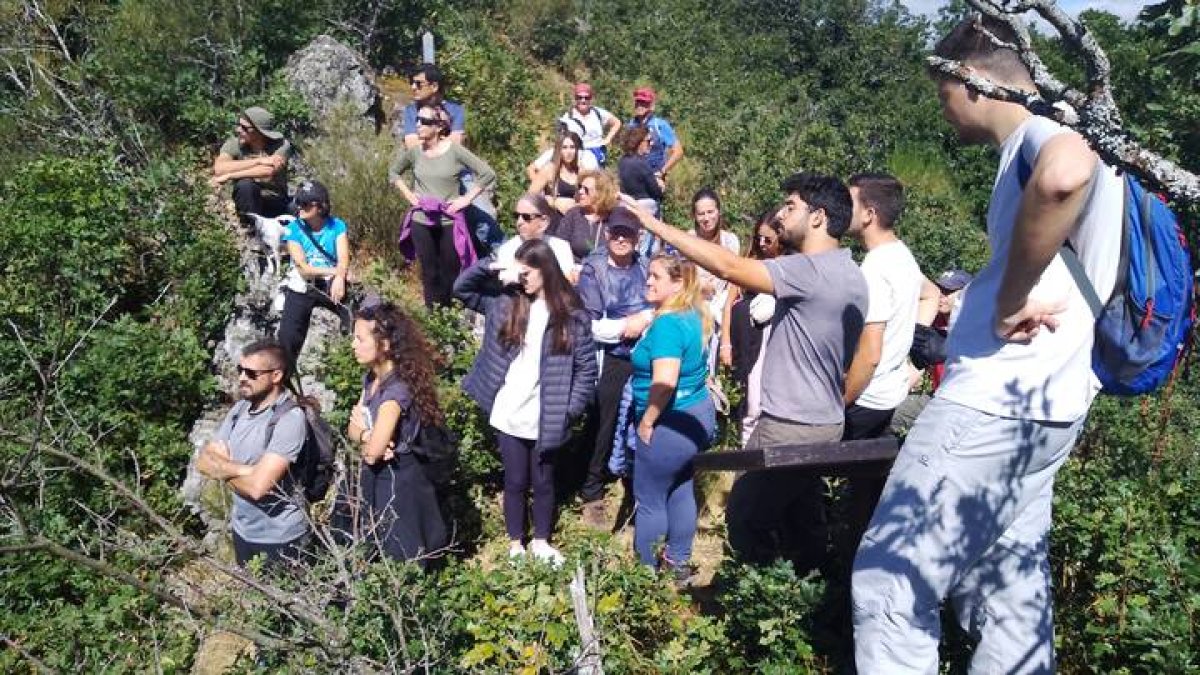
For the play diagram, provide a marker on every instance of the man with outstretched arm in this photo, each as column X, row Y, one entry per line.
column 965, row 513
column 268, row 516
column 821, row 303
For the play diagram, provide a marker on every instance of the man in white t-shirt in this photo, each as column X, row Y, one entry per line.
column 965, row 514
column 595, row 125
column 877, row 380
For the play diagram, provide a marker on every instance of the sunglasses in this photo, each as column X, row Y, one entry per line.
column 254, row 374
column 246, row 128
column 308, row 205
column 584, row 189
column 417, row 84
column 764, row 239
column 428, row 121
column 526, row 217
column 583, row 98
column 617, row 235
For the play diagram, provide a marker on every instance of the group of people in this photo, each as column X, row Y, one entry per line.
column 580, row 316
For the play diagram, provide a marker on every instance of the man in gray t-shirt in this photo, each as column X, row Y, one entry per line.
column 268, row 515
column 821, row 303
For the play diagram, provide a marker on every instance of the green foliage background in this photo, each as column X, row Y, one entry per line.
column 118, row 277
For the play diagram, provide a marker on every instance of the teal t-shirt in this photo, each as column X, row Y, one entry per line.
column 327, row 237
column 676, row 335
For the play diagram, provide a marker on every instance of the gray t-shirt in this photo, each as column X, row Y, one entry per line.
column 819, row 313
column 278, row 517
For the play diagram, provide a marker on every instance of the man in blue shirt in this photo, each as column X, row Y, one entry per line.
column 665, row 148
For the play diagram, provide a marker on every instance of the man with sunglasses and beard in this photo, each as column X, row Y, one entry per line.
column 255, row 162
column 254, row 459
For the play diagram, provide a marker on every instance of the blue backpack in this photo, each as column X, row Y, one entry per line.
column 1142, row 329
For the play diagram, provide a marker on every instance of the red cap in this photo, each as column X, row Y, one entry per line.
column 645, row 94
column 583, row 88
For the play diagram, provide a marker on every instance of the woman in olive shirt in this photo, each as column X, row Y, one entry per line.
column 436, row 223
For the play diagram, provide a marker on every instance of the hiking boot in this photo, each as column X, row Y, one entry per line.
column 543, row 551
column 595, row 515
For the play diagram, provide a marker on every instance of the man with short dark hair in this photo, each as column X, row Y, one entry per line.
column 268, row 516
column 821, row 303
column 965, row 514
column 255, row 161
column 665, row 147
column 877, row 380
column 429, row 88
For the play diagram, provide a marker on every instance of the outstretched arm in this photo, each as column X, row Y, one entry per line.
column 748, row 273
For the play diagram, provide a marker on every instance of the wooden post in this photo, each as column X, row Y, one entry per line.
column 589, row 655
column 834, row 458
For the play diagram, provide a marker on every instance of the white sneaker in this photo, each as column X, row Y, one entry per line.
column 516, row 551
column 543, row 551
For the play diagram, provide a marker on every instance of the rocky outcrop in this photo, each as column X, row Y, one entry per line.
column 329, row 75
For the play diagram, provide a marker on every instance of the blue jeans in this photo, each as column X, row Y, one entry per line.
column 965, row 515
column 662, row 481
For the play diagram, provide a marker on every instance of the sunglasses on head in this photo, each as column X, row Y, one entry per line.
column 254, row 374
column 526, row 217
column 428, row 121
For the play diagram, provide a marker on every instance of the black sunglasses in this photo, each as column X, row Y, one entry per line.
column 254, row 374
column 528, row 216
column 583, row 98
column 417, row 83
column 248, row 128
column 428, row 121
column 762, row 238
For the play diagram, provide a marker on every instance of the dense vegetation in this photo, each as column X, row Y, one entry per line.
column 119, row 274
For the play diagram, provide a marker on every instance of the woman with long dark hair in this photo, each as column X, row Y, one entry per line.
column 559, row 180
column 399, row 508
column 675, row 415
column 747, row 324
column 535, row 373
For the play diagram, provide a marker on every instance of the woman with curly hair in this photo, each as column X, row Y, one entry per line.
column 535, row 373
column 675, row 415
column 399, row 508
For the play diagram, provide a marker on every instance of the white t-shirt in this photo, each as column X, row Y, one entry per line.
column 506, row 254
column 893, row 289
column 590, row 127
column 587, row 160
column 1049, row 379
column 518, row 406
column 716, row 304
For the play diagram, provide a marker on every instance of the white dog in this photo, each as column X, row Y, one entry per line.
column 271, row 231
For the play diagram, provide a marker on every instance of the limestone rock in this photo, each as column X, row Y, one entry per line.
column 328, row 74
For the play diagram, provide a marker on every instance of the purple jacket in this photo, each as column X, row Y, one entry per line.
column 434, row 210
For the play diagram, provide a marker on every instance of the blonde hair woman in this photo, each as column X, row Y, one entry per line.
column 595, row 199
column 676, row 417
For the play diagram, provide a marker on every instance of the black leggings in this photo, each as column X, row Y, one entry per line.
column 603, row 423
column 297, row 314
column 439, row 261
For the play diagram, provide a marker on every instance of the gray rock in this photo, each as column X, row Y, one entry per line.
column 329, row 75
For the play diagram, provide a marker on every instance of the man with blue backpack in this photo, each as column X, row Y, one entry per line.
column 966, row 511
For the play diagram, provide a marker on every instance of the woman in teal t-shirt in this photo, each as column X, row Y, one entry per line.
column 676, row 417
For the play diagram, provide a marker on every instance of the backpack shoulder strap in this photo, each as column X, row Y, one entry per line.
column 277, row 412
column 308, row 233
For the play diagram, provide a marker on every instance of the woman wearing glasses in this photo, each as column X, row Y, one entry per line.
column 535, row 373
column 559, row 180
column 320, row 251
column 582, row 226
column 675, row 416
column 595, row 125
column 435, row 229
column 748, row 318
column 398, row 506
column 534, row 214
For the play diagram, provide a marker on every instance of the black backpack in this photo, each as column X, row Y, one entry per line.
column 436, row 448
column 313, row 470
